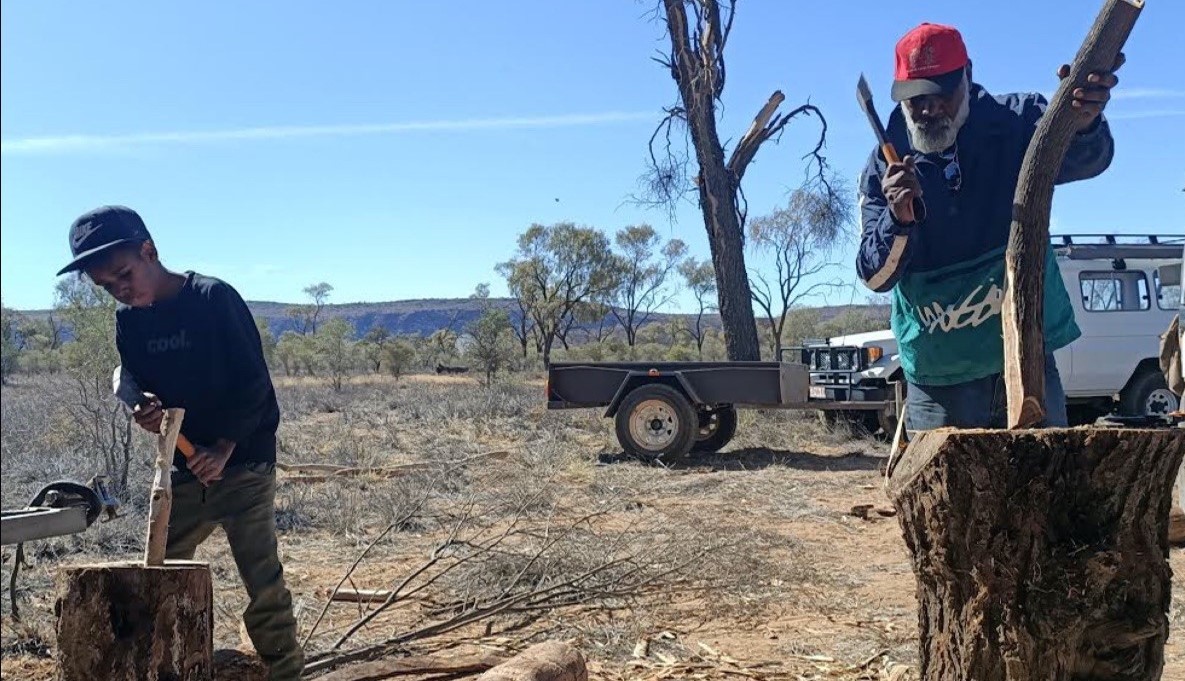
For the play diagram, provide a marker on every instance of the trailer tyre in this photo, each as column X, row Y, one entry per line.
column 657, row 423
column 716, row 429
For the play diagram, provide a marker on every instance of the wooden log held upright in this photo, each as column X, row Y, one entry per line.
column 150, row 621
column 1041, row 554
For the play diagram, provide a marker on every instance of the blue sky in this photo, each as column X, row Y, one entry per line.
column 395, row 149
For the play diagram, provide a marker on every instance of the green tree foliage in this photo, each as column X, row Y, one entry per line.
column 10, row 349
column 372, row 346
column 89, row 360
column 642, row 268
column 336, row 350
column 491, row 341
column 398, row 355
column 267, row 340
column 297, row 353
column 555, row 269
column 306, row 316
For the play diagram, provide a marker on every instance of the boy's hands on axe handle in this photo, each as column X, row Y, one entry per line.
column 206, row 463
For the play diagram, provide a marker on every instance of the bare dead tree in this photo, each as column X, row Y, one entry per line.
column 801, row 240
column 699, row 31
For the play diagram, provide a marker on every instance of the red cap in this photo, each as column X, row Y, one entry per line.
column 930, row 61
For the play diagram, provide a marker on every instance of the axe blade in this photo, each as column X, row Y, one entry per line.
column 124, row 387
column 864, row 97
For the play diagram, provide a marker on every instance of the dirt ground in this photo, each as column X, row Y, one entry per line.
column 788, row 584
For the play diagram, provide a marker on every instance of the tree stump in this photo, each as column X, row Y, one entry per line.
column 128, row 622
column 1040, row 554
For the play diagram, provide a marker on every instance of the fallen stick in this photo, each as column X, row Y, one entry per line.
column 550, row 661
column 357, row 595
column 326, row 471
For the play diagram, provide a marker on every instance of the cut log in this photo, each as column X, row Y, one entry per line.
column 1024, row 298
column 128, row 622
column 413, row 666
column 550, row 661
column 1040, row 554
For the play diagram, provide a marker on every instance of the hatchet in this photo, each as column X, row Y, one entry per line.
column 864, row 96
column 124, row 385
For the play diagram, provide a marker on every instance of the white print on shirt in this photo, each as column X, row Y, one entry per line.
column 970, row 312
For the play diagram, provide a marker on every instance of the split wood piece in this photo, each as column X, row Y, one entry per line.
column 1040, row 554
column 1023, row 305
column 161, row 503
column 128, row 622
column 413, row 666
column 549, row 661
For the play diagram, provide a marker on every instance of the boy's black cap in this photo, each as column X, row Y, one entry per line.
column 102, row 229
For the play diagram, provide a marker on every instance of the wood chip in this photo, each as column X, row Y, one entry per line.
column 642, row 648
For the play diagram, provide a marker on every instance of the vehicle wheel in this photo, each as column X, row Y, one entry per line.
column 1148, row 395
column 716, row 429
column 655, row 422
column 857, row 422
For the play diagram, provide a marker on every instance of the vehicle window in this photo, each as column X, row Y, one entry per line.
column 1122, row 291
column 1167, row 297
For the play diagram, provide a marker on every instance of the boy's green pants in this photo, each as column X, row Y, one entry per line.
column 243, row 504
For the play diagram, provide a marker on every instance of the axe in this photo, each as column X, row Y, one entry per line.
column 124, row 385
column 864, row 96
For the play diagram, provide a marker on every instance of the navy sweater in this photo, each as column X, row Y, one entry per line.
column 201, row 351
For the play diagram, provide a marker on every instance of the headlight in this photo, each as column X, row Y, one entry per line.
column 874, row 353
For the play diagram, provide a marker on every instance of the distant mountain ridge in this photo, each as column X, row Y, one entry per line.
column 426, row 315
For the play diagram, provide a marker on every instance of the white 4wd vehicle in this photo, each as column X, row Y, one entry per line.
column 1120, row 302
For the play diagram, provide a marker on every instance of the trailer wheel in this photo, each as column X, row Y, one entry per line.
column 655, row 422
column 716, row 429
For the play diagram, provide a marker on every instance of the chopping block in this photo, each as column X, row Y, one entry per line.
column 1039, row 554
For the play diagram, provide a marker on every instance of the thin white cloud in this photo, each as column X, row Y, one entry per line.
column 1133, row 115
column 60, row 144
column 1146, row 93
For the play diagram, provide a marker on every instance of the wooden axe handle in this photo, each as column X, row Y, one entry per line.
column 185, row 446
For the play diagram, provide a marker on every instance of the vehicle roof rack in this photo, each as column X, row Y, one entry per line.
column 1118, row 246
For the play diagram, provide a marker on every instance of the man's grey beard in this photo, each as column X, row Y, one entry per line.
column 936, row 137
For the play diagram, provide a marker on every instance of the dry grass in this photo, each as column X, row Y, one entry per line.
column 769, row 566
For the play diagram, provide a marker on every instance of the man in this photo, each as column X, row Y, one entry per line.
column 191, row 341
column 935, row 227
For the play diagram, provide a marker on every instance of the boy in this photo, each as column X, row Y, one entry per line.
column 190, row 341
